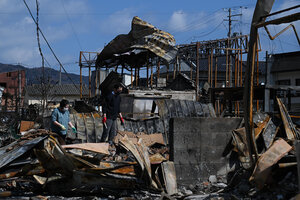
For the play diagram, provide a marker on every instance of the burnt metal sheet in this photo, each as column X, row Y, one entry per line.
column 132, row 48
column 182, row 108
column 169, row 175
column 149, row 126
column 263, row 166
column 269, row 133
column 290, row 129
column 10, row 156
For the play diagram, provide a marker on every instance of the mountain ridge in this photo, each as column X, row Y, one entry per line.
column 33, row 75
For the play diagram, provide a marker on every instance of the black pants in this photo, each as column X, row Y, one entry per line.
column 109, row 131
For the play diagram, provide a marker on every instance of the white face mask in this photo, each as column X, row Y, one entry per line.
column 66, row 109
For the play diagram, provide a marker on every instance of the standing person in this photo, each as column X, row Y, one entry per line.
column 60, row 119
column 111, row 110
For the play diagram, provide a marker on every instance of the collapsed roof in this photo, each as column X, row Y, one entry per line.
column 142, row 42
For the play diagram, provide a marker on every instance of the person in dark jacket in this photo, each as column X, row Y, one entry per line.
column 111, row 111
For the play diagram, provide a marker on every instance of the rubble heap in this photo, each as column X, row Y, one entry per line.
column 36, row 164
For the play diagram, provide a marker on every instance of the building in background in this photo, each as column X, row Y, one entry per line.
column 13, row 84
column 34, row 94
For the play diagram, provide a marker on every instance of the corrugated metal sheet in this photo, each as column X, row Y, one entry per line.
column 142, row 37
column 168, row 108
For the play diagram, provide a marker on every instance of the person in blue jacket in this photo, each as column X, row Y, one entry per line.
column 60, row 119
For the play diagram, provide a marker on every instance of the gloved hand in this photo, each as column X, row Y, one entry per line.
column 63, row 128
column 122, row 121
column 104, row 120
column 74, row 129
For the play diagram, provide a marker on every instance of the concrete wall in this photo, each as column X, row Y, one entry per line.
column 197, row 145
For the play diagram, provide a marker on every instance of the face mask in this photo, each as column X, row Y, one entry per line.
column 66, row 109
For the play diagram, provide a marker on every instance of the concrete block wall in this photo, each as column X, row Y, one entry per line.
column 197, row 146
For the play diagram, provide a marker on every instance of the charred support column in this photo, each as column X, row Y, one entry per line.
column 131, row 73
column 167, row 77
column 197, row 70
column 263, row 7
column 136, row 77
column 90, row 82
column 99, row 83
column 147, row 85
column 151, row 80
column 157, row 73
column 216, row 71
column 80, row 66
column 96, row 82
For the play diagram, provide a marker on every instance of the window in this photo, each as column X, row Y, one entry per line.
column 3, row 85
column 8, row 74
column 297, row 82
column 283, row 82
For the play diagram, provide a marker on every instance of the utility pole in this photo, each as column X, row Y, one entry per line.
column 230, row 20
column 229, row 23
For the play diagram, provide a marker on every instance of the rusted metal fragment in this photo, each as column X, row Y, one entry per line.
column 125, row 168
column 291, row 132
column 239, row 141
column 94, row 147
column 261, row 126
column 157, row 158
column 269, row 133
column 129, row 146
column 26, row 125
column 169, row 175
column 17, row 173
column 268, row 159
column 140, row 152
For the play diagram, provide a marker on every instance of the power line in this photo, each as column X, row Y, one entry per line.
column 72, row 27
column 49, row 45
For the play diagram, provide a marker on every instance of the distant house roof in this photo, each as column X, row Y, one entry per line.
column 221, row 63
column 284, row 62
column 60, row 90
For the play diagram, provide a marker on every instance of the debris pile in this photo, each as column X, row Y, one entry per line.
column 274, row 172
column 36, row 164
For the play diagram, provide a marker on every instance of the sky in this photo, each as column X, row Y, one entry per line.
column 72, row 26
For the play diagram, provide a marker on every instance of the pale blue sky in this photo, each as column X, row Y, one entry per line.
column 74, row 25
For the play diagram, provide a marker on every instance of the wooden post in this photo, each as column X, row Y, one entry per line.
column 90, row 82
column 174, row 69
column 226, row 76
column 99, row 75
column 151, row 81
column 147, row 71
column 80, row 81
column 257, row 75
column 197, row 70
column 211, row 67
column 96, row 82
column 241, row 71
column 208, row 67
column 131, row 78
column 216, row 72
column 136, row 77
column 167, row 76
